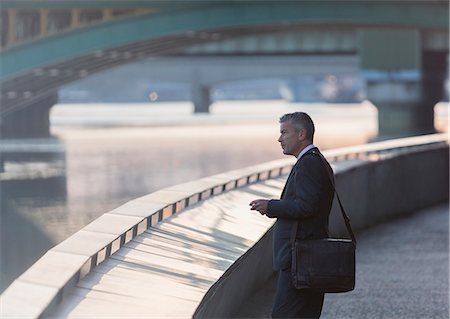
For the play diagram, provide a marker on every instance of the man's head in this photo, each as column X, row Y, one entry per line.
column 296, row 132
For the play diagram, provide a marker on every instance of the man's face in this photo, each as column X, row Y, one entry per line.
column 290, row 140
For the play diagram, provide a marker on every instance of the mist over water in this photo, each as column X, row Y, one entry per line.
column 101, row 156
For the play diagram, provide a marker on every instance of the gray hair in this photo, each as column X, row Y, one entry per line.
column 300, row 120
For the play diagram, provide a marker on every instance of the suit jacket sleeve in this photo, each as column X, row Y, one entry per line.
column 305, row 201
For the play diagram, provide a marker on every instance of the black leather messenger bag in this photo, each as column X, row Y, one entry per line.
column 325, row 265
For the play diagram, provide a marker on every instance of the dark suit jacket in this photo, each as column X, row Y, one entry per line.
column 306, row 197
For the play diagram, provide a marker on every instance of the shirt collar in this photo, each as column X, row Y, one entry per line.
column 306, row 149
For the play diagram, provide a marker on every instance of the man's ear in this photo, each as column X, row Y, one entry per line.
column 302, row 134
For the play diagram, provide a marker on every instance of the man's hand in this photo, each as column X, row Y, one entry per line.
column 260, row 205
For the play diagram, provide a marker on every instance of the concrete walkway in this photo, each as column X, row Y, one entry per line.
column 402, row 272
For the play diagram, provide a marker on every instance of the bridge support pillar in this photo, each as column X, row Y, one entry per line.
column 201, row 98
column 402, row 81
column 401, row 111
column 30, row 122
column 434, row 73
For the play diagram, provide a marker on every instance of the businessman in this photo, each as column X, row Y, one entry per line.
column 306, row 197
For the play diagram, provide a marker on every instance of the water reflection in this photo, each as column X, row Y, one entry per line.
column 33, row 190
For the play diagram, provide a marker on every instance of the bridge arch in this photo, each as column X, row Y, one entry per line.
column 135, row 29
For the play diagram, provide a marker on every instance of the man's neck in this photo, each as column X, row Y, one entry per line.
column 304, row 150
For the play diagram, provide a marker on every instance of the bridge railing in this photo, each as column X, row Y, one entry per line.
column 24, row 22
column 45, row 284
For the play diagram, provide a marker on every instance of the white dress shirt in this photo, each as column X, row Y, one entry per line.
column 306, row 149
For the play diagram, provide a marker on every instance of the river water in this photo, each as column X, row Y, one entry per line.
column 101, row 156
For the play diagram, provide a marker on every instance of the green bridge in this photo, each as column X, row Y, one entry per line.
column 402, row 48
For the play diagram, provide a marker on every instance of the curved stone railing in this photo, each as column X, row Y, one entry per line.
column 45, row 284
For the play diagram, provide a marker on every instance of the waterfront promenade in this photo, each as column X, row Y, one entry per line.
column 402, row 265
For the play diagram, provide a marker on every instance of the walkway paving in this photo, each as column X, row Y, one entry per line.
column 402, row 272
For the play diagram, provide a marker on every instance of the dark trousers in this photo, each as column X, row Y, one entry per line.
column 293, row 303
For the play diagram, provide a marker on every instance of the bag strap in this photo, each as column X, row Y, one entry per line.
column 344, row 215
